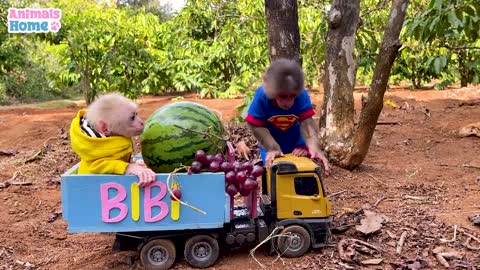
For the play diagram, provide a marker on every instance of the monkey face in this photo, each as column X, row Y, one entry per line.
column 285, row 101
column 128, row 124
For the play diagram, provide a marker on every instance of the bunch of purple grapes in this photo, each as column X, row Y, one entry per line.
column 240, row 177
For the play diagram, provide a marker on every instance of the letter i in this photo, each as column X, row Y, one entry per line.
column 135, row 191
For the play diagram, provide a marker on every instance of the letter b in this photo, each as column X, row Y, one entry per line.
column 115, row 202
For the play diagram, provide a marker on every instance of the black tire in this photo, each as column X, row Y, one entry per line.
column 201, row 251
column 158, row 254
column 295, row 245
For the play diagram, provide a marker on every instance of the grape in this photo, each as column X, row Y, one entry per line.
column 257, row 171
column 214, row 166
column 231, row 190
column 177, row 194
column 219, row 158
column 230, row 177
column 241, row 177
column 244, row 192
column 208, row 159
column 250, row 184
column 237, row 166
column 196, row 167
column 189, row 171
column 226, row 167
column 201, row 156
column 246, row 166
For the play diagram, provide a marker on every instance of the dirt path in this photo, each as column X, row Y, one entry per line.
column 421, row 157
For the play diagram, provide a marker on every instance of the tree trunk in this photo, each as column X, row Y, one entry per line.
column 337, row 120
column 462, row 68
column 282, row 28
column 369, row 116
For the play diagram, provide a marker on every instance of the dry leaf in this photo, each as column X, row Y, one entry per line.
column 470, row 130
column 371, row 223
column 416, row 264
column 476, row 220
column 372, row 261
column 243, row 150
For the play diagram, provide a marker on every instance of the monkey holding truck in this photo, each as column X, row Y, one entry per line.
column 291, row 201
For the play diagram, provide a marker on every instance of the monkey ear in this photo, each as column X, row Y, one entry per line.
column 103, row 127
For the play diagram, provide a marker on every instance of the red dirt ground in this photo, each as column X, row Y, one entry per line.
column 421, row 157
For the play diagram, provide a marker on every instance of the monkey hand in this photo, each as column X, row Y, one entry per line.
column 145, row 175
column 271, row 155
column 317, row 155
column 300, row 152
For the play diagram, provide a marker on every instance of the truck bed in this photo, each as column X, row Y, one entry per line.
column 103, row 203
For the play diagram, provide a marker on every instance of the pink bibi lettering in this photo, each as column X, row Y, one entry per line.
column 121, row 194
column 29, row 20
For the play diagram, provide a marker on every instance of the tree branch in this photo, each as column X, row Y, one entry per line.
column 460, row 47
column 383, row 66
column 381, row 5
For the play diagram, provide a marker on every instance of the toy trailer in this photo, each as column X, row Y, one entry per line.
column 149, row 221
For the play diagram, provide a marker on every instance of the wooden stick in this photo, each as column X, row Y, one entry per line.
column 418, row 198
column 471, row 166
column 401, row 241
column 336, row 193
column 376, row 179
column 443, row 240
column 379, row 201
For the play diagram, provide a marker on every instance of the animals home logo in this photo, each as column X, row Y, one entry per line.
column 28, row 20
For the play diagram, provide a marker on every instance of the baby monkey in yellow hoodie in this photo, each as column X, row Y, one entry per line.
column 101, row 136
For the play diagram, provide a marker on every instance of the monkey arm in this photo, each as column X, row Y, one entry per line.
column 310, row 133
column 264, row 138
column 108, row 166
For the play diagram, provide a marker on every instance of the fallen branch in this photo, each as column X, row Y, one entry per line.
column 388, row 123
column 346, row 248
column 379, row 201
column 471, row 166
column 443, row 240
column 391, row 235
column 336, row 194
column 469, row 235
column 40, row 152
column 376, row 179
column 418, row 198
column 269, row 237
column 401, row 242
column 467, row 245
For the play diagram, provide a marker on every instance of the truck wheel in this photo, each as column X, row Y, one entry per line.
column 296, row 244
column 158, row 254
column 201, row 251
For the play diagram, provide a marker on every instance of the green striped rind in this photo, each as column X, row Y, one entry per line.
column 165, row 146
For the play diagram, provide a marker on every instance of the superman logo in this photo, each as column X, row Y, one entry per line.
column 283, row 122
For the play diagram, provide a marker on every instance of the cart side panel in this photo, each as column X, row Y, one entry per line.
column 103, row 203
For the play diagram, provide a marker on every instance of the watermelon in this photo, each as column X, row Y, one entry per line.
column 169, row 138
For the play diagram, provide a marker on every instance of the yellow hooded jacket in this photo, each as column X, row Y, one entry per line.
column 109, row 155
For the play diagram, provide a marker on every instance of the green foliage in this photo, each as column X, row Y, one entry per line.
column 443, row 43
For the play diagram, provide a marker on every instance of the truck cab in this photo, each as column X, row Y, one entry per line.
column 293, row 197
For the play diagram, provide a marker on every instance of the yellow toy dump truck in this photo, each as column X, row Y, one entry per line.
column 292, row 202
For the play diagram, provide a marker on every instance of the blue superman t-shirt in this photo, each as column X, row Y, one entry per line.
column 284, row 125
